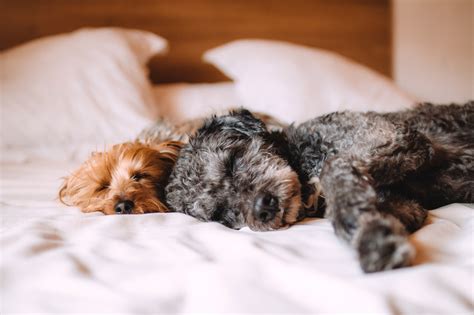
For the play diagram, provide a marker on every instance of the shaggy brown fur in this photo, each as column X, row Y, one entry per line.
column 128, row 178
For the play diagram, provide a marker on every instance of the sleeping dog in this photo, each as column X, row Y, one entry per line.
column 376, row 174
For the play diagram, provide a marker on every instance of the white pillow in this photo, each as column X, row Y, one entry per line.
column 80, row 90
column 295, row 82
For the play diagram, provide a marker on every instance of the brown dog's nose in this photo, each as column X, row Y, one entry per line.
column 124, row 207
column 265, row 207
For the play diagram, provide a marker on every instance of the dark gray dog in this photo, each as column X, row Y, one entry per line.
column 376, row 173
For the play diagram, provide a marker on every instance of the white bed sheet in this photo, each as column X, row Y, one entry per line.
column 54, row 259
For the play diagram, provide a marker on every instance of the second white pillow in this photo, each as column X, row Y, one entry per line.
column 295, row 83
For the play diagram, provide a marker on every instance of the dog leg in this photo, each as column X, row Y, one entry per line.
column 379, row 238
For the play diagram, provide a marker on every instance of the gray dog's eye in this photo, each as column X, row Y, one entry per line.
column 218, row 214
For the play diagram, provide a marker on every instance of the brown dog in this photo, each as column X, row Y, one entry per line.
column 128, row 178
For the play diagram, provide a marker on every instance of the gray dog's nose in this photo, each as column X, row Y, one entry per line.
column 265, row 207
column 124, row 207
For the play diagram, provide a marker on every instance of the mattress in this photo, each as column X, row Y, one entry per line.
column 55, row 259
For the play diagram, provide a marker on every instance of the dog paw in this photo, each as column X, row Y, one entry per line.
column 379, row 249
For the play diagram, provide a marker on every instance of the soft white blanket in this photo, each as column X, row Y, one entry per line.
column 55, row 259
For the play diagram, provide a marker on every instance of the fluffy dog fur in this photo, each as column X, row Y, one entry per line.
column 128, row 178
column 378, row 174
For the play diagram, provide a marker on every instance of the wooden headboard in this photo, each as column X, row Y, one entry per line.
column 358, row 29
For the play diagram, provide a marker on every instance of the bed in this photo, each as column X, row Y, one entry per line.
column 66, row 95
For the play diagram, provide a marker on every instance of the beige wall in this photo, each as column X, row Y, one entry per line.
column 434, row 48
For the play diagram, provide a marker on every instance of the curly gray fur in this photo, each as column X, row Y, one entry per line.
column 228, row 164
column 376, row 173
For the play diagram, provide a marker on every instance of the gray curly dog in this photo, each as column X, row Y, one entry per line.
column 373, row 175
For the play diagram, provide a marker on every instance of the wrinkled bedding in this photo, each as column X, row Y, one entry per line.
column 54, row 259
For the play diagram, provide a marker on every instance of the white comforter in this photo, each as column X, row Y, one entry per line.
column 55, row 259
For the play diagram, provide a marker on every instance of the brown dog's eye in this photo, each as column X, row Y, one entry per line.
column 138, row 176
column 102, row 187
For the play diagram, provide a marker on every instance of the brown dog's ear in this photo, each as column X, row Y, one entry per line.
column 169, row 149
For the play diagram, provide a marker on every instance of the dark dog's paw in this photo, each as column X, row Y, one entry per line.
column 380, row 249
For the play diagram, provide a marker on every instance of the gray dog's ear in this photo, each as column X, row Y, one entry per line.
column 238, row 123
column 245, row 122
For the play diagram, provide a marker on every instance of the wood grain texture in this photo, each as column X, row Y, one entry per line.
column 358, row 29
